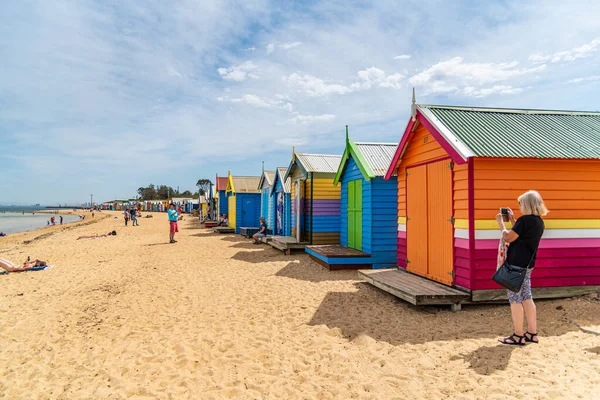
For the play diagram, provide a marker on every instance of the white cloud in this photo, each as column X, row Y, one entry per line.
column 496, row 89
column 250, row 49
column 569, row 55
column 368, row 78
column 270, row 48
column 585, row 79
column 287, row 46
column 403, row 57
column 376, row 77
column 307, row 119
column 455, row 75
column 172, row 71
column 252, row 100
column 238, row 73
column 260, row 102
column 315, row 87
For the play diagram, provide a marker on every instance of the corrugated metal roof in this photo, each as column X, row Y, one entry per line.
column 497, row 132
column 378, row 156
column 269, row 176
column 287, row 184
column 326, row 163
column 246, row 184
column 222, row 183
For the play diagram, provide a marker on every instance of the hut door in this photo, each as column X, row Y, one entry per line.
column 429, row 229
column 441, row 231
column 416, row 220
column 355, row 214
column 299, row 211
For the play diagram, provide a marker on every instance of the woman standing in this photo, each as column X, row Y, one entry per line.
column 524, row 239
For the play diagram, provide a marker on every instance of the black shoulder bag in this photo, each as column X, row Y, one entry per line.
column 512, row 276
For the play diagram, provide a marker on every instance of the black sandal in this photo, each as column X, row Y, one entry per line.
column 513, row 340
column 530, row 338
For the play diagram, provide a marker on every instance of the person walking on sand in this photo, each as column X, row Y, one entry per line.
column 61, row 219
column 126, row 215
column 524, row 240
column 134, row 221
column 173, row 218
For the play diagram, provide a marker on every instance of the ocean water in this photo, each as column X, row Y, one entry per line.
column 14, row 222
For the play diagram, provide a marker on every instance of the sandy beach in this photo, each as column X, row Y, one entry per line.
column 214, row 317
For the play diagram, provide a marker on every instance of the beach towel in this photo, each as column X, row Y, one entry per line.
column 38, row 268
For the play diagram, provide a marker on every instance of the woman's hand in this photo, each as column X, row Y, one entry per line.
column 511, row 216
column 500, row 222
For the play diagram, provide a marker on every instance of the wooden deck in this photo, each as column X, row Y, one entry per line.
column 415, row 289
column 337, row 257
column 248, row 231
column 223, row 229
column 210, row 224
column 286, row 244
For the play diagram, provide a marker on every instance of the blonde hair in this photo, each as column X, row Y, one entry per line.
column 531, row 203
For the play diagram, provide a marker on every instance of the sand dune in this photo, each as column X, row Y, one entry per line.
column 215, row 317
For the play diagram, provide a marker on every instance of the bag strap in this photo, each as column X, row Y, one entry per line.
column 531, row 259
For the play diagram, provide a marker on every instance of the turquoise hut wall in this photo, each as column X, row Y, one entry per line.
column 267, row 207
column 379, row 219
column 287, row 208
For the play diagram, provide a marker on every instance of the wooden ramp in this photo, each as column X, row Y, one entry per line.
column 223, row 229
column 415, row 289
column 286, row 244
column 336, row 257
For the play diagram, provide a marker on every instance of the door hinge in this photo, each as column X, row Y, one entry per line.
column 407, row 219
column 451, row 220
column 451, row 165
column 451, row 273
column 407, row 262
column 407, row 174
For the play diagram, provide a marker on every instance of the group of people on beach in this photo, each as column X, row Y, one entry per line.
column 131, row 213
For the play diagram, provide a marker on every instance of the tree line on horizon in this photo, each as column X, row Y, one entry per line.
column 164, row 192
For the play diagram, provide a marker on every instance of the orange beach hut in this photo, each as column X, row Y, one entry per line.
column 456, row 166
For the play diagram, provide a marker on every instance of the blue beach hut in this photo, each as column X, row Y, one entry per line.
column 221, row 195
column 368, row 210
column 267, row 207
column 281, row 193
column 243, row 199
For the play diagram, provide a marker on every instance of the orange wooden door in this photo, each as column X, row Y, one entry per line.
column 439, row 221
column 416, row 220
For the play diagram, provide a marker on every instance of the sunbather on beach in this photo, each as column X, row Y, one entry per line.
column 11, row 267
column 113, row 233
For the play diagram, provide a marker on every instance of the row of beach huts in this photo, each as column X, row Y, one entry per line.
column 417, row 217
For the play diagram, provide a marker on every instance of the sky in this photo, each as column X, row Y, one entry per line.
column 103, row 97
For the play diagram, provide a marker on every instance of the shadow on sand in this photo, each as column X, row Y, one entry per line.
column 305, row 269
column 487, row 359
column 381, row 316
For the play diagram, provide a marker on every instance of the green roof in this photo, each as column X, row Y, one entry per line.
column 519, row 133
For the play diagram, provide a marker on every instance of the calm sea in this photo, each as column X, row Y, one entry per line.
column 13, row 222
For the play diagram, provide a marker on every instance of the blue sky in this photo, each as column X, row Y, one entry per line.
column 105, row 97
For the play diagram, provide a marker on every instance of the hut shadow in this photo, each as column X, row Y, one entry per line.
column 245, row 245
column 595, row 350
column 305, row 269
column 371, row 312
column 487, row 359
column 236, row 238
column 260, row 254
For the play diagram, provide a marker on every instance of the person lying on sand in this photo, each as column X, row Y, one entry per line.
column 113, row 233
column 2, row 234
column 11, row 267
